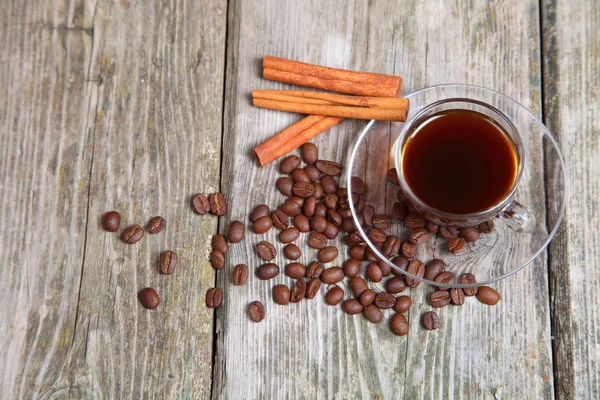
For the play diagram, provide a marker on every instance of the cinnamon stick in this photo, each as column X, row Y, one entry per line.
column 308, row 97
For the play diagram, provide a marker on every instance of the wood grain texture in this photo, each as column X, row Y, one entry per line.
column 108, row 105
column 309, row 350
column 572, row 110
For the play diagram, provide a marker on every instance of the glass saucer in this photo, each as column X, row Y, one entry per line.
column 502, row 252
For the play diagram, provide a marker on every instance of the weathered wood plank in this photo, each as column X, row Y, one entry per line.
column 572, row 110
column 308, row 350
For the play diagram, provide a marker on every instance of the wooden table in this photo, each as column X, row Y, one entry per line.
column 136, row 106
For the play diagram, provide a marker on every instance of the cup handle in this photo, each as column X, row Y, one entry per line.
column 518, row 218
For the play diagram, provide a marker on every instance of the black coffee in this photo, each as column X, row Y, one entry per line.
column 460, row 162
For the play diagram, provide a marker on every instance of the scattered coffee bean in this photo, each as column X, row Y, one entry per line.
column 352, row 239
column 401, row 262
column 303, row 189
column 374, row 273
column 403, row 304
column 433, row 269
column 320, row 210
column 256, row 311
column 317, row 240
column 288, row 164
column 352, row 307
column 470, row 233
column 385, row 268
column 168, row 260
column 395, row 285
column 236, row 232
column 456, row 245
column 327, row 254
column 391, row 246
column 445, row 277
column 318, row 190
column 373, row 314
column 285, row 185
column 367, row 297
column 217, row 259
column 219, row 242
column 414, row 221
column 298, row 200
column 239, row 275
column 300, row 175
column 280, row 220
column 260, row 211
column 358, row 285
column 291, row 207
column 295, row 270
column 384, row 300
column 358, row 251
column 419, row 235
column 432, row 226
column 312, row 288
column 368, row 214
column 351, row 267
column 399, row 210
column 439, row 298
column 331, row 231
column 200, row 204
column 289, row 235
column 332, row 275
column 382, row 221
column 328, row 167
column 431, row 320
column 267, row 271
column 416, row 268
column 292, row 252
column 266, row 250
column 371, row 256
column 318, row 223
column 313, row 173
column 133, row 234
column 111, row 221
column 348, row 225
column 486, row 227
column 457, row 296
column 314, row 270
column 469, row 279
column 298, row 291
column 409, row 249
column 329, row 185
column 448, row 232
column 376, row 235
column 334, row 217
column 281, row 294
column 334, row 296
column 344, row 213
column 262, row 225
column 309, row 153
column 331, row 201
column 308, row 208
column 399, row 324
column 301, row 223
column 214, row 297
column 392, row 176
column 149, row 298
column 156, row 225
column 218, row 206
column 488, row 296
column 358, row 185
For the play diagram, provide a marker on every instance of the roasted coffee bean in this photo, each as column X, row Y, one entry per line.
column 281, row 295
column 298, row 291
column 312, row 288
column 318, row 223
column 392, row 176
column 289, row 235
column 256, row 311
column 385, row 268
column 168, row 261
column 403, row 304
column 328, row 167
column 384, row 300
column 352, row 239
column 317, row 240
column 156, row 225
column 486, row 227
column 303, row 189
column 360, row 202
column 368, row 214
column 343, row 199
column 358, row 285
column 259, row 211
column 334, row 296
column 308, row 209
column 399, row 324
column 218, row 206
column 457, row 296
column 236, row 232
column 370, row 254
column 267, row 271
column 445, row 277
column 414, row 221
column 329, row 185
column 239, row 275
column 391, row 246
column 111, row 221
column 358, row 251
column 300, row 175
column 334, row 217
column 374, row 273
column 332, row 275
column 344, row 213
column 301, row 223
column 298, row 200
column 433, row 269
column 448, row 232
column 331, row 231
column 320, row 210
column 432, row 226
column 376, row 235
column 291, row 207
column 285, row 185
column 266, row 250
column 149, row 298
column 331, row 201
column 348, row 225
column 367, row 297
column 488, row 296
column 358, row 185
column 214, row 297
column 352, row 307
column 400, row 262
column 470, row 233
column 439, row 298
column 280, row 220
column 309, row 153
column 219, row 242
column 314, row 270
column 409, row 249
column 416, row 268
column 318, row 188
column 469, row 279
column 313, row 173
column 395, row 285
column 351, row 267
column 431, row 320
column 382, row 221
column 200, row 204
column 288, row 164
column 262, row 225
column 327, row 254
column 295, row 270
column 419, row 235
column 399, row 210
column 217, row 259
column 133, row 234
column 292, row 252
column 456, row 245
column 373, row 313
